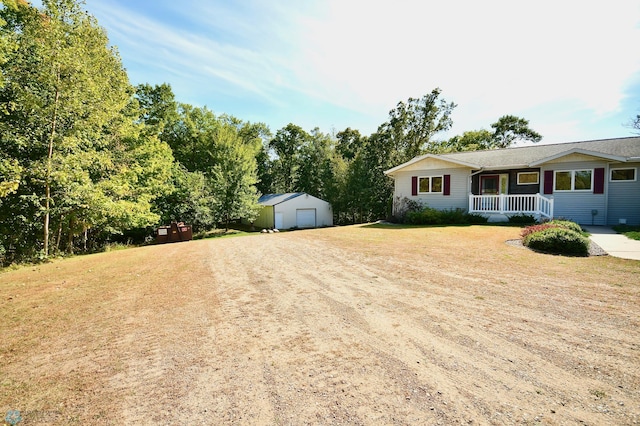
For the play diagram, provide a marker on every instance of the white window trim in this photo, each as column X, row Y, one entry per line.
column 430, row 183
column 635, row 174
column 573, row 180
column 537, row 182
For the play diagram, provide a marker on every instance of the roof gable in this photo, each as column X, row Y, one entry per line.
column 581, row 152
column 435, row 159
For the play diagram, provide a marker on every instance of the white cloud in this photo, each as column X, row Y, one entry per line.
column 495, row 57
column 500, row 56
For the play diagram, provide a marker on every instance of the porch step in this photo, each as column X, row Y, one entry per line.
column 497, row 217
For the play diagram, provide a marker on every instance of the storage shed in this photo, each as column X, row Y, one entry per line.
column 293, row 210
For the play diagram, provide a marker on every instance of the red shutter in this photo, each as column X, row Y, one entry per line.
column 414, row 185
column 447, row 185
column 598, row 181
column 548, row 181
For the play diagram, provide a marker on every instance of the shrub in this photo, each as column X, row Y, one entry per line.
column 431, row 216
column 567, row 224
column 404, row 207
column 475, row 218
column 522, row 219
column 558, row 240
column 426, row 216
column 536, row 228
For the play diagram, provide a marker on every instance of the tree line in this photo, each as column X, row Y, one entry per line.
column 86, row 157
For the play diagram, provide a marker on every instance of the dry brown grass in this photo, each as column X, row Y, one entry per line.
column 123, row 336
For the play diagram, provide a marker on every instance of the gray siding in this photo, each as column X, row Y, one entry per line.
column 624, row 198
column 577, row 206
column 459, row 197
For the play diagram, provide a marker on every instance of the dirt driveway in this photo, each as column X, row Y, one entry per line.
column 353, row 326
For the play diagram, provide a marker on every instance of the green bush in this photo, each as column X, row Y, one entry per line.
column 558, row 241
column 522, row 219
column 431, row 216
column 566, row 224
column 475, row 218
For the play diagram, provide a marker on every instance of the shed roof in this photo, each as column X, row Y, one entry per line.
column 621, row 149
column 273, row 199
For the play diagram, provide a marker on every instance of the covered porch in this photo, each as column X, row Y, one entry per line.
column 533, row 204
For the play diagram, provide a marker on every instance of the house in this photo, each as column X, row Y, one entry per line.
column 293, row 210
column 593, row 182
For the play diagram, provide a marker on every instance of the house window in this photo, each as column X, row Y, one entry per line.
column 574, row 180
column 528, row 178
column 623, row 174
column 430, row 185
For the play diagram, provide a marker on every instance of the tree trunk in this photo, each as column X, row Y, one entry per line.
column 47, row 203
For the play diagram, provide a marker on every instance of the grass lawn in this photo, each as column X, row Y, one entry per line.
column 632, row 232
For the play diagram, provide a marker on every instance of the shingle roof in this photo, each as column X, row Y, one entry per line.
column 273, row 199
column 622, row 148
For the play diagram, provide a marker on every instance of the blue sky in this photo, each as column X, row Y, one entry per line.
column 570, row 67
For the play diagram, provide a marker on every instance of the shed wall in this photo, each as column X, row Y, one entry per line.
column 265, row 218
column 324, row 215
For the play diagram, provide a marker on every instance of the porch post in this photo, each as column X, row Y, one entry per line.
column 503, row 202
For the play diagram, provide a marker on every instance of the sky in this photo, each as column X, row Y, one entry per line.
column 566, row 66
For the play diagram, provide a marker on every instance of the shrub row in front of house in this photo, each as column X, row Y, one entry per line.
column 556, row 237
column 431, row 216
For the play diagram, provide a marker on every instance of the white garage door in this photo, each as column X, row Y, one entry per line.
column 306, row 218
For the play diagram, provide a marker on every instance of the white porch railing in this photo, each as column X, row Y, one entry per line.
column 503, row 203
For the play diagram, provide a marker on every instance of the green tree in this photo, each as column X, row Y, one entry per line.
column 509, row 129
column 314, row 168
column 234, row 176
column 189, row 200
column 286, row 146
column 68, row 125
column 472, row 140
column 158, row 107
column 412, row 125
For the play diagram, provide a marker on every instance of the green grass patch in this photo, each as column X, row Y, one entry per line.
column 628, row 231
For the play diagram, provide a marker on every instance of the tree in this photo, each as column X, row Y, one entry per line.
column 286, row 145
column 509, row 129
column 234, row 175
column 314, row 168
column 412, row 125
column 158, row 107
column 472, row 140
column 69, row 126
column 189, row 200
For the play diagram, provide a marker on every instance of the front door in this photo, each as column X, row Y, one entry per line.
column 489, row 185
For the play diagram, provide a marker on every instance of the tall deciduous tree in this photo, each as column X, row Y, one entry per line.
column 507, row 130
column 510, row 128
column 67, row 125
column 234, row 175
column 286, row 145
column 412, row 125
